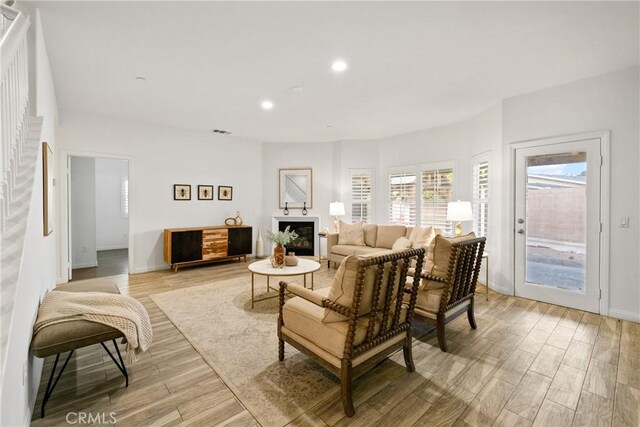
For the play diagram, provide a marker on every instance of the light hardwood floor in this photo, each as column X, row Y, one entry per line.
column 528, row 363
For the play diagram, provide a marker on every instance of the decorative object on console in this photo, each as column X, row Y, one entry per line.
column 205, row 192
column 259, row 246
column 47, row 189
column 336, row 210
column 291, row 260
column 304, row 208
column 296, row 188
column 234, row 220
column 286, row 209
column 225, row 193
column 181, row 192
column 280, row 239
column 458, row 212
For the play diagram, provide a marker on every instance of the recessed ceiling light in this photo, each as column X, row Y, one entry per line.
column 296, row 89
column 141, row 79
column 339, row 66
column 267, row 105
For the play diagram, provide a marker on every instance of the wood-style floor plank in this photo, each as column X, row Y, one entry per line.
column 528, row 363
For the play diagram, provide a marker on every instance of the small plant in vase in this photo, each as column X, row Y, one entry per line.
column 280, row 239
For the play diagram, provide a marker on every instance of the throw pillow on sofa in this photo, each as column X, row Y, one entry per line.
column 401, row 243
column 351, row 234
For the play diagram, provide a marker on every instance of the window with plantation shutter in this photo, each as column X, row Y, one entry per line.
column 481, row 197
column 437, row 192
column 361, row 203
column 402, row 198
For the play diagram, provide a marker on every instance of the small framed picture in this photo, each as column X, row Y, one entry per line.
column 225, row 193
column 181, row 192
column 205, row 192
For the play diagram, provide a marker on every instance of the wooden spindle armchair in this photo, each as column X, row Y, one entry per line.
column 362, row 318
column 449, row 282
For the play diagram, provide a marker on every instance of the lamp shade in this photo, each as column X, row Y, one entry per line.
column 459, row 211
column 336, row 209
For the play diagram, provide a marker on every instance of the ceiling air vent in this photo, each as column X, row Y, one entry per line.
column 224, row 132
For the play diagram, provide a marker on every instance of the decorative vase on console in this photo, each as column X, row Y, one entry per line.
column 280, row 239
column 291, row 260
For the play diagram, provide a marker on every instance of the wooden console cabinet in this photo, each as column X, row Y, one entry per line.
column 198, row 245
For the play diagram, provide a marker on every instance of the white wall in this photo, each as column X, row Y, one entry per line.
column 112, row 229
column 319, row 157
column 607, row 102
column 158, row 158
column 83, row 212
column 39, row 259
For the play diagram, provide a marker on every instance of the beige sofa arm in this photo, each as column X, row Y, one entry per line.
column 332, row 240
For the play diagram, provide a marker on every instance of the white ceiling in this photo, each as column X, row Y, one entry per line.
column 411, row 65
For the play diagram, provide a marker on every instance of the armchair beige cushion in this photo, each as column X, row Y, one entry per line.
column 342, row 290
column 421, row 236
column 438, row 254
column 351, row 234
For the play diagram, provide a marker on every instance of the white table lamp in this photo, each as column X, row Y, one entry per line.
column 336, row 210
column 458, row 212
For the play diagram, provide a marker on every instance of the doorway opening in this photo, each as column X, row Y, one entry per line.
column 98, row 217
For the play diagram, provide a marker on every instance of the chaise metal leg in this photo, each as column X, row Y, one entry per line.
column 121, row 366
column 49, row 390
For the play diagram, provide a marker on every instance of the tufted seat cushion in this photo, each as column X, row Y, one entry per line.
column 67, row 336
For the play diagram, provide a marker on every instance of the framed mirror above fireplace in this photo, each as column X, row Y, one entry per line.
column 296, row 188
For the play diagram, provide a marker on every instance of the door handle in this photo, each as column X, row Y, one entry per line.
column 521, row 231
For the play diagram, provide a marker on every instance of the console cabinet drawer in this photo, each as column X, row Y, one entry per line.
column 214, row 244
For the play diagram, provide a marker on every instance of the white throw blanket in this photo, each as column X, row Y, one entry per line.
column 117, row 311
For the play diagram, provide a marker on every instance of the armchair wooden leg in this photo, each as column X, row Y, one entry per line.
column 471, row 316
column 408, row 353
column 280, row 342
column 442, row 341
column 345, row 379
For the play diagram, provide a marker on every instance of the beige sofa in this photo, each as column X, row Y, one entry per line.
column 377, row 238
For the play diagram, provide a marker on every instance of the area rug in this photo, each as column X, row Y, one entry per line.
column 241, row 345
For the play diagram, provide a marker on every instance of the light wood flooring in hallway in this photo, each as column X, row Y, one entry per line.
column 528, row 363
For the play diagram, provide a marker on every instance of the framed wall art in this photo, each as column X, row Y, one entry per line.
column 48, row 215
column 225, row 192
column 205, row 192
column 181, row 192
column 296, row 188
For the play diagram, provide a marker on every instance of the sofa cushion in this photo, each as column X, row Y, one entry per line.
column 351, row 234
column 370, row 234
column 345, row 250
column 401, row 243
column 343, row 286
column 367, row 251
column 438, row 253
column 67, row 336
column 388, row 234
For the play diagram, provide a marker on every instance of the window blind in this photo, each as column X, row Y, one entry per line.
column 402, row 198
column 437, row 192
column 481, row 198
column 362, row 196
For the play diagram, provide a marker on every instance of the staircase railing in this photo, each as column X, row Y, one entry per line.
column 14, row 110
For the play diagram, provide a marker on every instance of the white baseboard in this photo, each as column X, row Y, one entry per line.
column 625, row 315
column 112, row 248
column 85, row 265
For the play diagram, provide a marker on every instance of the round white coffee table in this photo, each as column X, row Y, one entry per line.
column 264, row 268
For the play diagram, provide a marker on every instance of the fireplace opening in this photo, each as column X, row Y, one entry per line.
column 305, row 243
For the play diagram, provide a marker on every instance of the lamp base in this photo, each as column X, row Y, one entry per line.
column 336, row 224
column 458, row 229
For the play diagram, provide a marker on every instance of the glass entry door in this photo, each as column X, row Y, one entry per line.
column 557, row 223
